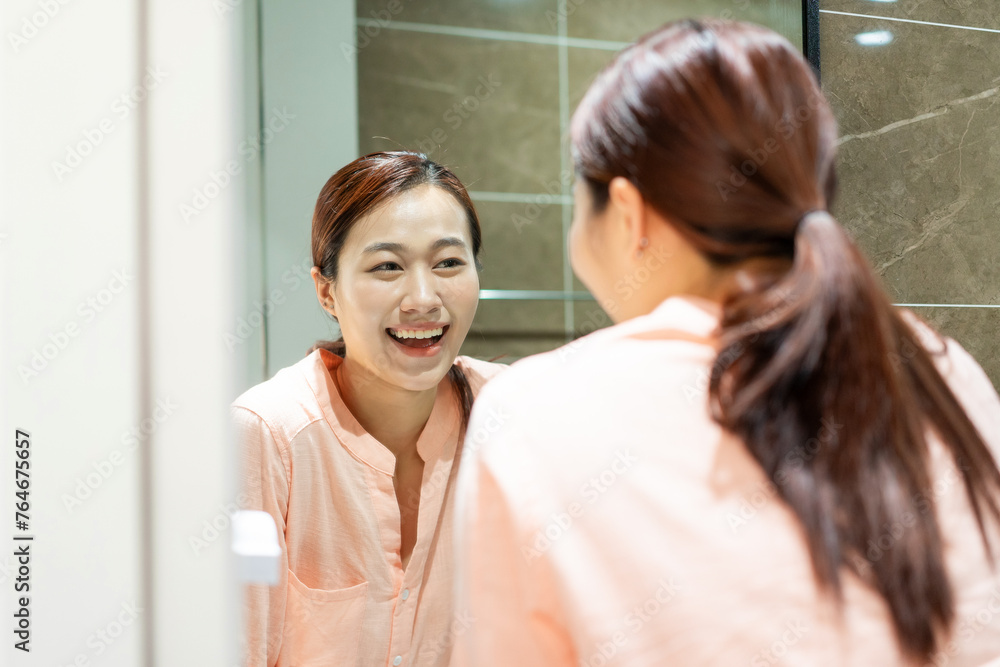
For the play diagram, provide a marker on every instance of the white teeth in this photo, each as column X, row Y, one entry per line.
column 406, row 333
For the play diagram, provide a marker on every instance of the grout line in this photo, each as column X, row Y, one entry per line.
column 569, row 321
column 502, row 35
column 946, row 305
column 557, row 295
column 539, row 198
column 889, row 18
column 144, row 362
column 532, row 295
column 563, row 41
column 265, row 327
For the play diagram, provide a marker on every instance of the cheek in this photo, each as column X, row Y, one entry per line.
column 470, row 291
column 464, row 296
column 365, row 307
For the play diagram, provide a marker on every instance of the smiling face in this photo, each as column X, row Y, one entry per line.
column 407, row 288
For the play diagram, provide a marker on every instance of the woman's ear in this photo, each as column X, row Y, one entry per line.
column 630, row 210
column 324, row 291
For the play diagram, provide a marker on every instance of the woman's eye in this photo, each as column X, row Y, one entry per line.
column 387, row 266
column 452, row 263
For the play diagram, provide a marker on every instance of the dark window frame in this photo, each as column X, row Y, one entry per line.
column 810, row 33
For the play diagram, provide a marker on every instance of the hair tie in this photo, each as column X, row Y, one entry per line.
column 805, row 215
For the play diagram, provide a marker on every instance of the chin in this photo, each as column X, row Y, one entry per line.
column 422, row 380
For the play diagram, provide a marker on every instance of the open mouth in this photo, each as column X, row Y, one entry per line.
column 418, row 339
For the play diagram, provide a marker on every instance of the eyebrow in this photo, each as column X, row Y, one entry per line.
column 446, row 242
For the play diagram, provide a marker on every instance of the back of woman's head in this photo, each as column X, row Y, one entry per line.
column 723, row 129
column 721, row 125
column 358, row 189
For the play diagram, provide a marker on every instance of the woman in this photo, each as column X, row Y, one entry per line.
column 352, row 450
column 761, row 462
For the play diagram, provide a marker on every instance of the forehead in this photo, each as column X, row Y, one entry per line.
column 419, row 216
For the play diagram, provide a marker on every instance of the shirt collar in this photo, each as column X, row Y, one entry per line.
column 693, row 315
column 678, row 317
column 435, row 440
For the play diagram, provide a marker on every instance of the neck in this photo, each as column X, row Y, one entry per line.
column 701, row 279
column 370, row 399
column 720, row 284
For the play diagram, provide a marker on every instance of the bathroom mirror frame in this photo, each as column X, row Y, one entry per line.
column 810, row 33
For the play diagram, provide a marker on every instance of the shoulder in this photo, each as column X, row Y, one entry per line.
column 657, row 364
column 514, row 395
column 540, row 373
column 285, row 403
column 951, row 359
column 963, row 374
column 478, row 372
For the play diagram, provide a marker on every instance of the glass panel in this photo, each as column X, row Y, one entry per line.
column 913, row 87
column 487, row 88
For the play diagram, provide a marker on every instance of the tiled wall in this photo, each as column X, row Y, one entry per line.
column 487, row 87
column 920, row 155
column 515, row 69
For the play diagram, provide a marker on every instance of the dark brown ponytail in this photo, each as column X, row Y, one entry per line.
column 823, row 346
column 723, row 129
column 360, row 187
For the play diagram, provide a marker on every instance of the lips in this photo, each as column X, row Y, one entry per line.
column 415, row 338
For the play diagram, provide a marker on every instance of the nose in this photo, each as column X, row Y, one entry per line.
column 422, row 292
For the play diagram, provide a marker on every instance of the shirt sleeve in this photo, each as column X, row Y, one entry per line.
column 478, row 372
column 264, row 485
column 501, row 582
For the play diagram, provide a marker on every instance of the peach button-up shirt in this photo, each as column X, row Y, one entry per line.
column 344, row 599
column 603, row 518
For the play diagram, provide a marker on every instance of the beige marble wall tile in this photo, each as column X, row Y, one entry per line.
column 522, row 246
column 534, row 16
column 583, row 66
column 973, row 13
column 925, row 69
column 506, row 348
column 522, row 250
column 627, row 20
column 468, row 103
column 919, row 158
column 510, row 327
column 529, row 318
column 975, row 329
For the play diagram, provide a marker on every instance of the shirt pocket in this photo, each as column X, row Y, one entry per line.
column 322, row 627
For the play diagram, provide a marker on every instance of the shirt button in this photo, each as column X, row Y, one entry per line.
column 398, row 659
column 406, row 593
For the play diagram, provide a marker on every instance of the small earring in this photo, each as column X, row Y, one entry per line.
column 642, row 244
